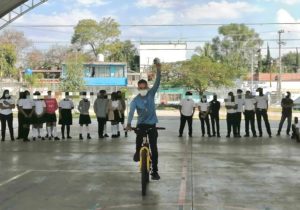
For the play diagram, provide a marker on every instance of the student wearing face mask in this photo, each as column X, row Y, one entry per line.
column 6, row 106
column 84, row 118
column 50, row 116
column 26, row 108
column 240, row 103
column 66, row 106
column 231, row 107
column 123, row 104
column 144, row 103
column 214, row 115
column 203, row 107
column 249, row 112
column 114, row 113
column 187, row 110
column 262, row 111
column 101, row 111
column 20, row 116
column 287, row 110
column 38, row 117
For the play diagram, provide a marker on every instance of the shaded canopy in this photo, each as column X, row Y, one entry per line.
column 7, row 6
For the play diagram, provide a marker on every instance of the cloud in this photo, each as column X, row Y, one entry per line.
column 288, row 2
column 92, row 2
column 284, row 16
column 158, row 3
column 161, row 17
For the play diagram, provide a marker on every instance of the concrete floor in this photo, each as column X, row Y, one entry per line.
column 198, row 173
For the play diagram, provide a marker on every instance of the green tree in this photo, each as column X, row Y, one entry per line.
column 73, row 73
column 97, row 35
column 289, row 62
column 199, row 73
column 8, row 59
column 33, row 80
column 235, row 45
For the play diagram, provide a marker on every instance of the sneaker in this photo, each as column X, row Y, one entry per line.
column 247, row 135
column 12, row 139
column 69, row 137
column 56, row 138
column 254, row 136
column 228, row 136
column 191, row 135
column 218, row 136
column 43, row 138
column 33, row 139
column 119, row 134
column 80, row 137
column 101, row 137
column 63, row 137
column 155, row 176
column 136, row 157
column 26, row 140
column 180, row 135
column 278, row 134
column 88, row 136
column 49, row 138
column 106, row 135
column 126, row 134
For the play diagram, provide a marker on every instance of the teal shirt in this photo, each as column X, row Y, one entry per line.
column 145, row 106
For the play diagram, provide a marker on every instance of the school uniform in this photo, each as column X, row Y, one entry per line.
column 240, row 102
column 20, row 121
column 6, row 116
column 214, row 107
column 114, row 115
column 101, row 110
column 249, row 112
column 27, row 105
column 39, row 109
column 261, row 112
column 204, row 117
column 231, row 118
column 286, row 114
column 83, row 107
column 66, row 106
column 186, row 115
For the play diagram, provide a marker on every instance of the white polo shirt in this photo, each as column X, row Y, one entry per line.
column 250, row 104
column 39, row 106
column 26, row 103
column 203, row 106
column 66, row 104
column 187, row 107
column 229, row 103
column 6, row 103
column 262, row 102
column 240, row 102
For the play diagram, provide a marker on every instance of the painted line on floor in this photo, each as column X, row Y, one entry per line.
column 183, row 183
column 14, row 178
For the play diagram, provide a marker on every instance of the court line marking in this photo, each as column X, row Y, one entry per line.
column 15, row 178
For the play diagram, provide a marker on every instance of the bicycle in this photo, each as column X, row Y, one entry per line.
column 145, row 158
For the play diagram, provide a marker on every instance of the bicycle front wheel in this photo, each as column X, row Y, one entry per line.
column 144, row 172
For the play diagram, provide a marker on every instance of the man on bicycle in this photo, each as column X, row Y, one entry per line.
column 144, row 103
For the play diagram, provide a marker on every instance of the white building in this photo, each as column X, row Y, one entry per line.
column 166, row 52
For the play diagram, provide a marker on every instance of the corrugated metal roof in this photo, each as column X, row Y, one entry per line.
column 8, row 5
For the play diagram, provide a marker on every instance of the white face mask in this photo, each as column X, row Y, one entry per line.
column 143, row 92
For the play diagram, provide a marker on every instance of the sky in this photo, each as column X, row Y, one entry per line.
column 145, row 12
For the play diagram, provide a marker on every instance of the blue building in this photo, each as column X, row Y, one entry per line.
column 104, row 75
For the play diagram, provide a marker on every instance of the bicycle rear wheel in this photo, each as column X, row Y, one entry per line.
column 144, row 172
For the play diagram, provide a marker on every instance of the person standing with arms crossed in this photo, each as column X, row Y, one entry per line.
column 144, row 103
column 101, row 110
column 262, row 112
column 66, row 106
column 231, row 107
column 214, row 116
column 6, row 115
column 240, row 103
column 187, row 110
column 287, row 111
column 249, row 112
column 204, row 108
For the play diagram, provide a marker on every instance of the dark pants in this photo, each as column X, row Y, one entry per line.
column 203, row 122
column 152, row 135
column 183, row 120
column 101, row 124
column 238, row 123
column 9, row 120
column 250, row 119
column 20, row 126
column 63, row 130
column 283, row 118
column 259, row 114
column 231, row 123
column 215, row 122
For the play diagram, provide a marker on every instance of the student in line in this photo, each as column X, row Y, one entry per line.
column 287, row 111
column 114, row 110
column 231, row 107
column 240, row 102
column 203, row 107
column 65, row 115
column 262, row 112
column 20, row 118
column 84, row 118
column 6, row 106
column 249, row 112
column 214, row 107
column 101, row 110
column 38, row 117
column 26, row 108
column 187, row 110
column 50, row 116
column 123, row 104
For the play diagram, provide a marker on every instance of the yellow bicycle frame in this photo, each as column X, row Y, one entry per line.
column 148, row 158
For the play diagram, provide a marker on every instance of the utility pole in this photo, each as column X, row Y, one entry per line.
column 252, row 69
column 280, row 64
